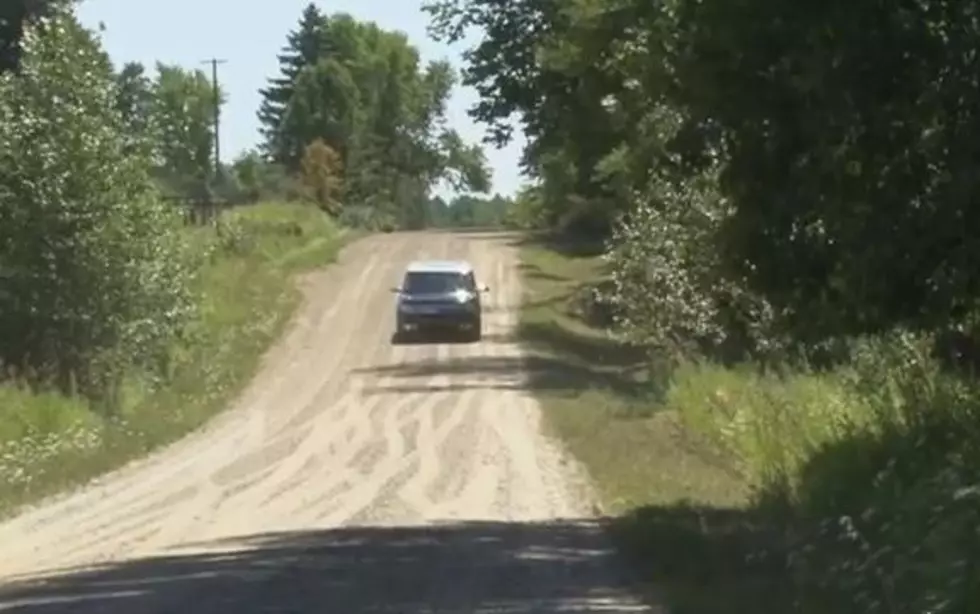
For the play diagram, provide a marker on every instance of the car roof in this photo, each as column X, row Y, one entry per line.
column 439, row 266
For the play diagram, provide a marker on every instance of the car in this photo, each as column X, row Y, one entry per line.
column 439, row 295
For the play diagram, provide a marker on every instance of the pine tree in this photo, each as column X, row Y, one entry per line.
column 303, row 48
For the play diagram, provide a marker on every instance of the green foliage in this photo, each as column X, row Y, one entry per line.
column 364, row 93
column 173, row 112
column 182, row 112
column 468, row 211
column 884, row 150
column 261, row 180
column 134, row 101
column 14, row 16
column 325, row 103
column 775, row 181
column 560, row 67
column 527, row 211
column 95, row 270
column 465, row 166
column 876, row 461
column 303, row 48
column 244, row 295
column 106, row 292
column 888, row 94
column 669, row 286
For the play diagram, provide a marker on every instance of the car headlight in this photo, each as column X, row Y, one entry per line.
column 463, row 296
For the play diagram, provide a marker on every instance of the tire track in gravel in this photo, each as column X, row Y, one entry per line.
column 322, row 421
column 138, row 480
column 480, row 477
column 111, row 505
column 116, row 519
column 356, row 434
column 374, row 477
column 429, row 438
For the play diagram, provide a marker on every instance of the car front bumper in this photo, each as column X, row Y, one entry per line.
column 461, row 316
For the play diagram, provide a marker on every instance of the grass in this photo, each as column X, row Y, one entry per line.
column 734, row 489
column 49, row 442
column 683, row 512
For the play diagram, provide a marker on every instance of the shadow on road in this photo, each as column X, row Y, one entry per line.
column 532, row 372
column 431, row 338
column 535, row 272
column 567, row 245
column 470, row 568
column 599, row 352
column 422, row 388
column 691, row 560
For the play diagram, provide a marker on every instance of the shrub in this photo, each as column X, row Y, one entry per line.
column 95, row 268
column 245, row 296
column 669, row 287
column 322, row 175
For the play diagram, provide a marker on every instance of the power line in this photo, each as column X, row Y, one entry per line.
column 217, row 112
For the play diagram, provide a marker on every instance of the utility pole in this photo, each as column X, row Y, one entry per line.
column 217, row 113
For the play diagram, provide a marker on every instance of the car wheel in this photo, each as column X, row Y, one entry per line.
column 475, row 332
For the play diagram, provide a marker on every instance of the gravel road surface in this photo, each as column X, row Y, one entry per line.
column 353, row 475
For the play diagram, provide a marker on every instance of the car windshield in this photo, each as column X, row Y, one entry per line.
column 433, row 283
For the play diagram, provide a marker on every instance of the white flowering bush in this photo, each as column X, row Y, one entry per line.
column 27, row 459
column 669, row 287
column 93, row 264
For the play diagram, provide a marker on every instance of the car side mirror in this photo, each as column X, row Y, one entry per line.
column 484, row 288
column 396, row 290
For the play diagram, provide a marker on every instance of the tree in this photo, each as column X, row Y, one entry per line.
column 465, row 166
column 14, row 15
column 852, row 147
column 554, row 66
column 885, row 148
column 322, row 176
column 259, row 178
column 135, row 101
column 363, row 92
column 94, row 266
column 303, row 48
column 183, row 118
column 467, row 210
column 325, row 105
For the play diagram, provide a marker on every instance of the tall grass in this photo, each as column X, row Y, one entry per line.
column 771, row 424
column 49, row 442
column 872, row 470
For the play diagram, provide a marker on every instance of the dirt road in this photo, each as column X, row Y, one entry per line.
column 354, row 475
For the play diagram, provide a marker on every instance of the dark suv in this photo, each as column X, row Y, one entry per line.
column 439, row 295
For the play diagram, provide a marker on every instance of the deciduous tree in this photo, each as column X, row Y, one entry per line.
column 95, row 274
column 322, row 176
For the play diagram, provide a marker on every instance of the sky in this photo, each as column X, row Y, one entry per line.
column 249, row 35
